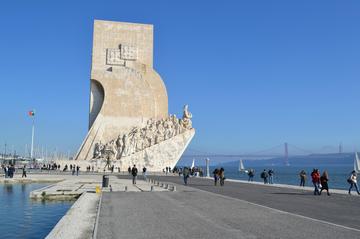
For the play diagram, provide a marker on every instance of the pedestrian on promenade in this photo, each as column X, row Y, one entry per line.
column 24, row 172
column 353, row 182
column 92, row 168
column 129, row 170
column 6, row 170
column 73, row 170
column 302, row 175
column 77, row 170
column 134, row 172
column 222, row 176
column 112, row 168
column 186, row 174
column 251, row 175
column 271, row 176
column 216, row 176
column 144, row 172
column 315, row 176
column 71, row 167
column 264, row 175
column 324, row 182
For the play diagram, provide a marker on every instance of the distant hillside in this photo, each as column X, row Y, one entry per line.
column 308, row 160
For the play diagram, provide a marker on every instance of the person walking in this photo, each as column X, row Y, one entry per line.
column 24, row 172
column 302, row 175
column 129, row 170
column 73, row 170
column 353, row 182
column 315, row 176
column 134, row 172
column 186, row 174
column 324, row 182
column 216, row 176
column 271, row 176
column 264, row 175
column 222, row 176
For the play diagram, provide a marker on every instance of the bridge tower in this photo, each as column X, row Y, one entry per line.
column 340, row 148
column 286, row 155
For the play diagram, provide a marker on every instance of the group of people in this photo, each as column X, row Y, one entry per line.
column 9, row 170
column 134, row 172
column 219, row 175
column 73, row 169
column 267, row 176
column 320, row 182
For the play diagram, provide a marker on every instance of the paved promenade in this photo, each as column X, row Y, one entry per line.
column 340, row 209
column 202, row 211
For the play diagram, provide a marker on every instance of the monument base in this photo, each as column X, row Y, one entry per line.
column 155, row 158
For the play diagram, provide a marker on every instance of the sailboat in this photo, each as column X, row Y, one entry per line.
column 193, row 164
column 356, row 163
column 241, row 167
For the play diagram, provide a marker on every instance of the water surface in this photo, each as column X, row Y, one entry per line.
column 21, row 217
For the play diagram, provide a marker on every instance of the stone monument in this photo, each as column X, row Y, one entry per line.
column 128, row 120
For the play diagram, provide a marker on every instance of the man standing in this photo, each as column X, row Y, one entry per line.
column 264, row 175
column 134, row 173
column 77, row 170
column 186, row 174
column 271, row 176
column 24, row 172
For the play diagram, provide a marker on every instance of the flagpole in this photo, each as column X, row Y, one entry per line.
column 32, row 139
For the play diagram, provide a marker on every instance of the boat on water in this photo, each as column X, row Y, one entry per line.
column 356, row 163
column 193, row 164
column 241, row 167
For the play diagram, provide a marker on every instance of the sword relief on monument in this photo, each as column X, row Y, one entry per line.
column 120, row 55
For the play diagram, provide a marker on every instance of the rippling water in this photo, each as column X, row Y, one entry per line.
column 21, row 217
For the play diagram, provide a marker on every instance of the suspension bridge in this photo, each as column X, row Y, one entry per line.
column 284, row 150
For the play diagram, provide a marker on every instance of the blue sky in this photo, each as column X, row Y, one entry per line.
column 255, row 73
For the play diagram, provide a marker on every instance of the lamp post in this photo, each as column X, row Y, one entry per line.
column 207, row 167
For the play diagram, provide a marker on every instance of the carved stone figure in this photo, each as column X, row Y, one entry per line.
column 186, row 119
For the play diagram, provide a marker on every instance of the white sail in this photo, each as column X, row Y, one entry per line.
column 356, row 163
column 241, row 166
column 193, row 164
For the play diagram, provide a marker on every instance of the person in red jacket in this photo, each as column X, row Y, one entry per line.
column 315, row 176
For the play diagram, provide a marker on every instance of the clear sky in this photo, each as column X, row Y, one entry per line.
column 254, row 73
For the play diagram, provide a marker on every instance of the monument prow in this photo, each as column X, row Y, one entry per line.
column 128, row 120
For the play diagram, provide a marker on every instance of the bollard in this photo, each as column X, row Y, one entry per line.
column 125, row 188
column 152, row 188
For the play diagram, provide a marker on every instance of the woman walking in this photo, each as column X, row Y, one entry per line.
column 353, row 182
column 324, row 182
column 315, row 175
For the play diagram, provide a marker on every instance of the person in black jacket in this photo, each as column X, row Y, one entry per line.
column 324, row 182
column 134, row 172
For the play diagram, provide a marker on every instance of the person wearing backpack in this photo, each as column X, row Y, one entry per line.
column 264, row 175
column 353, row 182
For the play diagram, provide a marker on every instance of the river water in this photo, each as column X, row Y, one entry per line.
column 338, row 174
column 21, row 217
